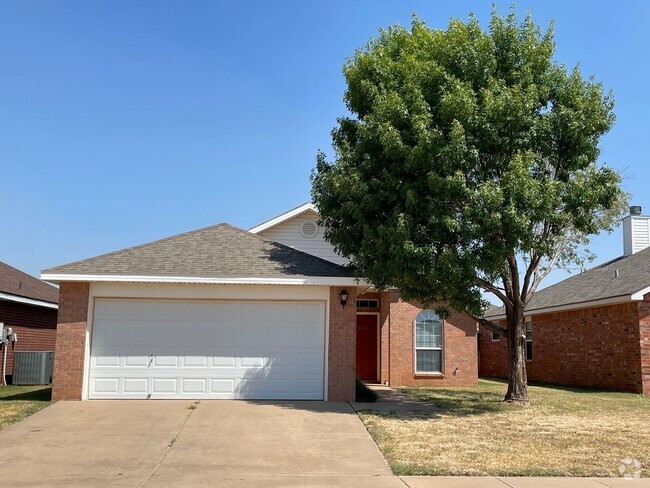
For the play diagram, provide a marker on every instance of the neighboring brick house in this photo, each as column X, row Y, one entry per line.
column 269, row 313
column 29, row 306
column 592, row 329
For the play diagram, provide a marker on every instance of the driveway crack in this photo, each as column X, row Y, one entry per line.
column 171, row 443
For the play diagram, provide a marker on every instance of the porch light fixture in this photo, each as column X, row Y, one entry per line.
column 344, row 297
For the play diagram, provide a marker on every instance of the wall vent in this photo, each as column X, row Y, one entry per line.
column 33, row 367
column 309, row 228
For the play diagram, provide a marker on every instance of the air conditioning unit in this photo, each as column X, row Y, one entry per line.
column 33, row 367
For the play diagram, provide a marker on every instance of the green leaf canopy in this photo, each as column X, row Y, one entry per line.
column 465, row 150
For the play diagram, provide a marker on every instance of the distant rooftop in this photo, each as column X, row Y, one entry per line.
column 622, row 277
column 17, row 283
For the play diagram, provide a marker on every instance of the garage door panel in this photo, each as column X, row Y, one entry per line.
column 199, row 349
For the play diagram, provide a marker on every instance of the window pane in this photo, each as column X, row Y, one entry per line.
column 437, row 334
column 424, row 333
column 428, row 361
column 529, row 331
column 428, row 329
column 529, row 350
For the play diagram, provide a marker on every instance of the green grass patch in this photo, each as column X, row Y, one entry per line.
column 18, row 402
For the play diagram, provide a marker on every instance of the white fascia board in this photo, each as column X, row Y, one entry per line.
column 306, row 281
column 283, row 218
column 575, row 306
column 640, row 294
column 28, row 301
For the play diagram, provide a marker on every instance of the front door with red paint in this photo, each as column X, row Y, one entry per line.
column 367, row 348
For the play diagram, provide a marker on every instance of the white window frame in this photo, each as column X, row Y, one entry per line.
column 441, row 348
column 527, row 321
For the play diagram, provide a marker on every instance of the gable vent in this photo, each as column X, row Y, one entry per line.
column 308, row 228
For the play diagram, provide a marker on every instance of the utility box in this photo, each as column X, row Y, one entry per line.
column 33, row 367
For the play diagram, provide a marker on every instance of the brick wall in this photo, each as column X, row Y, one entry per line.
column 384, row 332
column 35, row 327
column 459, row 336
column 493, row 355
column 70, row 341
column 596, row 347
column 644, row 340
column 342, row 346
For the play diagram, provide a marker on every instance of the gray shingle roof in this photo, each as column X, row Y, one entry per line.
column 597, row 283
column 219, row 251
column 15, row 282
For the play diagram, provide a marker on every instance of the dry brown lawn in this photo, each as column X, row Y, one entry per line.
column 469, row 431
column 18, row 402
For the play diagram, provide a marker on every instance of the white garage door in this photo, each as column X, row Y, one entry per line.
column 207, row 349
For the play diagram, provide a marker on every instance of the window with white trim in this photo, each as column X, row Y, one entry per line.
column 529, row 340
column 428, row 342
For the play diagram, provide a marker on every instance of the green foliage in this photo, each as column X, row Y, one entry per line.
column 468, row 155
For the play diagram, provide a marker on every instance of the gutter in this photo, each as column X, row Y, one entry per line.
column 302, row 281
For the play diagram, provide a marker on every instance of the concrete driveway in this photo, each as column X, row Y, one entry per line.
column 179, row 443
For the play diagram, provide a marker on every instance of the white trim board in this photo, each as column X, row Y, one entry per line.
column 28, row 301
column 306, row 281
column 283, row 218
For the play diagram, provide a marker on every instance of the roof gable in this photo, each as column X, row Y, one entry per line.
column 305, row 207
column 219, row 251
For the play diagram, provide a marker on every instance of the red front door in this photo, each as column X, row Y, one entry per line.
column 367, row 348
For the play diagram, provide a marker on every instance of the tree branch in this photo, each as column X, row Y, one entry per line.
column 489, row 325
column 532, row 269
column 487, row 286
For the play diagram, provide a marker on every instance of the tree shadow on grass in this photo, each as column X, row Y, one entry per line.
column 458, row 403
column 39, row 395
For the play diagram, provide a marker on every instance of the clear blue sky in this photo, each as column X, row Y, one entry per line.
column 125, row 122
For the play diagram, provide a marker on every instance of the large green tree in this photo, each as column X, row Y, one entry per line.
column 468, row 164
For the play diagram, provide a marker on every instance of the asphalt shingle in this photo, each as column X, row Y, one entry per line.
column 220, row 251
column 15, row 282
column 622, row 276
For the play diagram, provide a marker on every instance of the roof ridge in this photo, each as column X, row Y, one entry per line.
column 138, row 246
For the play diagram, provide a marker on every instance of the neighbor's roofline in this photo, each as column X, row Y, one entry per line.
column 307, row 280
column 634, row 297
column 28, row 301
column 283, row 218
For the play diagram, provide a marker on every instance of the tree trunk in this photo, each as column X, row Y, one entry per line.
column 517, row 378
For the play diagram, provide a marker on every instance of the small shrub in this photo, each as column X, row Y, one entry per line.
column 365, row 394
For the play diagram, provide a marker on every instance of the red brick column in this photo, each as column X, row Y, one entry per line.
column 342, row 346
column 384, row 327
column 644, row 339
column 70, row 341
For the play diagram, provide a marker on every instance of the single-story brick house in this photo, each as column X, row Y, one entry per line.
column 220, row 312
column 592, row 329
column 29, row 307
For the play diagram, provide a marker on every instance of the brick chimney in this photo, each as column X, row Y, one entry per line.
column 636, row 231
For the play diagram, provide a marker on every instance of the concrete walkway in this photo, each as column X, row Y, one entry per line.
column 392, row 400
